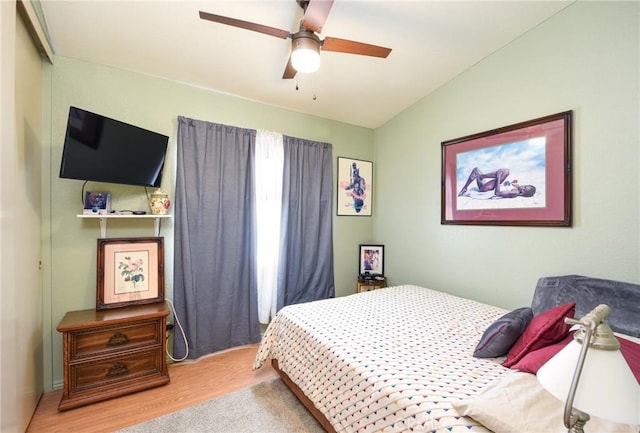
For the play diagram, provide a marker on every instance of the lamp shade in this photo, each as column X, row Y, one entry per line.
column 607, row 387
column 305, row 52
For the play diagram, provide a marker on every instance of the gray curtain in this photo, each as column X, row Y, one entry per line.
column 214, row 264
column 306, row 254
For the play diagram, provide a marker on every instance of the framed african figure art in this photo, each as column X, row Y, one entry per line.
column 517, row 175
column 355, row 186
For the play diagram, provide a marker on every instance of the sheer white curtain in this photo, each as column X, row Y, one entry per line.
column 269, row 160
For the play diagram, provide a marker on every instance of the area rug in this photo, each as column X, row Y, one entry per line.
column 268, row 407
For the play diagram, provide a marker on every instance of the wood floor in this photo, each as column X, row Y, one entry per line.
column 191, row 383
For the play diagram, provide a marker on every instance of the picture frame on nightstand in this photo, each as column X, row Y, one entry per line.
column 371, row 260
column 130, row 272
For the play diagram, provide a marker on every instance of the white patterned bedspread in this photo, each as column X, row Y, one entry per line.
column 387, row 360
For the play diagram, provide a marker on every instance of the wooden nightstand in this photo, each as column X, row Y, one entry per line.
column 365, row 286
column 109, row 353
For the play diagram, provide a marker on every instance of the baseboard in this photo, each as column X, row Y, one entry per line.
column 58, row 384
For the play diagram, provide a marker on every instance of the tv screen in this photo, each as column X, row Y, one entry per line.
column 101, row 149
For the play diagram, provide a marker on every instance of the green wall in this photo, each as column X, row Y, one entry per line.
column 585, row 59
column 154, row 104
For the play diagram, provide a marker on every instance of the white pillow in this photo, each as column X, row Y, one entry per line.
column 518, row 403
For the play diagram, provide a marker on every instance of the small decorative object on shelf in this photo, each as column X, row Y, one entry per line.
column 97, row 203
column 159, row 202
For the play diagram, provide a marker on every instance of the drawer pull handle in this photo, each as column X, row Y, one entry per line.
column 117, row 369
column 117, row 339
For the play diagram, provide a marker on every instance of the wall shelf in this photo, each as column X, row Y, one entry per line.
column 103, row 220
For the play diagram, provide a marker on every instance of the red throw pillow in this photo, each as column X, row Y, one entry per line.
column 532, row 361
column 544, row 329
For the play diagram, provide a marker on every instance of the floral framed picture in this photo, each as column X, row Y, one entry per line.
column 355, row 187
column 371, row 259
column 130, row 272
column 517, row 175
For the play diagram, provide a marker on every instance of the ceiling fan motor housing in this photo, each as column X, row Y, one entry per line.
column 305, row 51
column 305, row 39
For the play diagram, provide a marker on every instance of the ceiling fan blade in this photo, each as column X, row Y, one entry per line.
column 353, row 47
column 272, row 31
column 289, row 70
column 315, row 15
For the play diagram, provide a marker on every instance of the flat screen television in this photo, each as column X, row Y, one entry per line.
column 100, row 149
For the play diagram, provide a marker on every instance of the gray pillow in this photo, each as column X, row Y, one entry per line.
column 503, row 333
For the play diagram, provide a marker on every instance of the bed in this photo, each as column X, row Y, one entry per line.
column 401, row 359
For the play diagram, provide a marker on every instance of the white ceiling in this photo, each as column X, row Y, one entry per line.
column 432, row 42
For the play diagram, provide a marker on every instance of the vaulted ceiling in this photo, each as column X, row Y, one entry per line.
column 431, row 42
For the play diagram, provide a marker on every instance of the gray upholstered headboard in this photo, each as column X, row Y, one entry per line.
column 587, row 293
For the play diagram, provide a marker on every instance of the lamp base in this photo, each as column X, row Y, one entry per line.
column 578, row 420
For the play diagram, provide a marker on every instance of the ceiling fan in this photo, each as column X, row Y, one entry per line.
column 305, row 43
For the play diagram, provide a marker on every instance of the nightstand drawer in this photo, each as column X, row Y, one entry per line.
column 110, row 371
column 97, row 341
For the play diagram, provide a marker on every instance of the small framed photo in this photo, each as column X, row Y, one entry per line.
column 97, row 202
column 355, row 187
column 130, row 272
column 371, row 259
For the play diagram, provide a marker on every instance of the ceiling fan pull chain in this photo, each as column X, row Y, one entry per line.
column 314, row 86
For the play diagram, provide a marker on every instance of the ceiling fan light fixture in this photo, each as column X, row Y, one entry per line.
column 305, row 53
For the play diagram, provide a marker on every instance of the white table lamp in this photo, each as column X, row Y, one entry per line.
column 592, row 378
